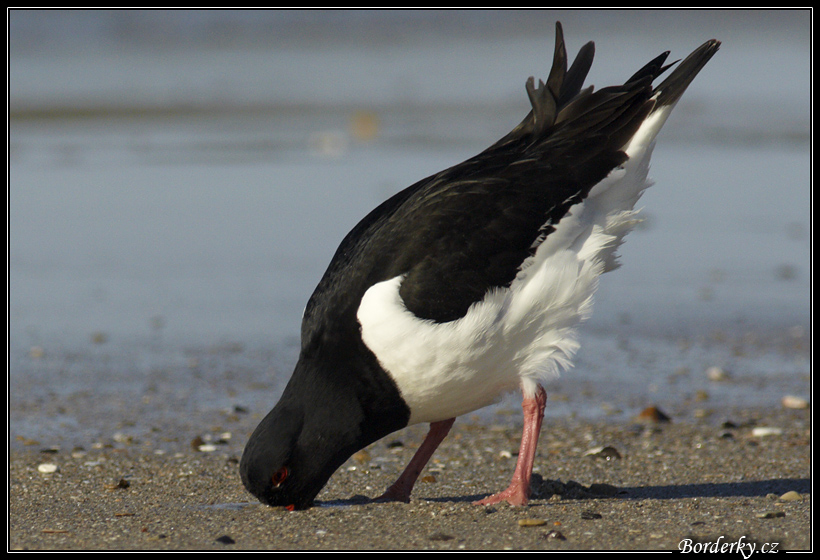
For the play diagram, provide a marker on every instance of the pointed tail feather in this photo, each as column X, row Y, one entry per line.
column 670, row 90
column 666, row 94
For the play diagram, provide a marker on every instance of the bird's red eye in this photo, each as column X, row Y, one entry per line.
column 279, row 476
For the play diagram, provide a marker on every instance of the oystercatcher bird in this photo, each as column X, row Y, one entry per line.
column 468, row 284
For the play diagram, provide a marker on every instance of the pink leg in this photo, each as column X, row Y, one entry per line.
column 400, row 490
column 518, row 492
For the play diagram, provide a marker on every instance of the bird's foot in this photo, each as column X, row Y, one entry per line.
column 394, row 494
column 515, row 495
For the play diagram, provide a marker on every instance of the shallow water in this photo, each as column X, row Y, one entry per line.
column 173, row 203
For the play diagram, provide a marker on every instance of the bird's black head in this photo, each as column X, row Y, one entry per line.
column 321, row 419
column 293, row 452
column 274, row 466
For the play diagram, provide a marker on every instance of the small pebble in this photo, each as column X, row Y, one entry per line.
column 225, row 539
column 120, row 437
column 791, row 496
column 653, row 414
column 199, row 444
column 555, row 536
column 791, row 401
column 605, row 452
column 590, row 515
column 716, row 373
column 771, row 515
column 763, row 431
column 362, row 456
column 123, row 484
column 531, row 522
column 47, row 468
column 440, row 537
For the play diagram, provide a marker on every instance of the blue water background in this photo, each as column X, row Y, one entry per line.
column 179, row 180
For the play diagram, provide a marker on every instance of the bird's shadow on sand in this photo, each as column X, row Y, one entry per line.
column 544, row 489
column 745, row 489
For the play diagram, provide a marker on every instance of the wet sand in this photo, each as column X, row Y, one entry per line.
column 714, row 479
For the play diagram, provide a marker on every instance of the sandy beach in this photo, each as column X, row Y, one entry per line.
column 740, row 479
